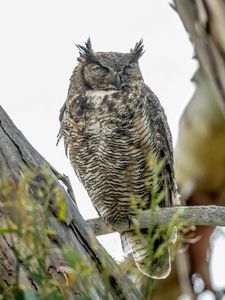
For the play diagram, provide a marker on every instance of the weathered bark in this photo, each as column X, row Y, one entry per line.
column 17, row 155
column 200, row 150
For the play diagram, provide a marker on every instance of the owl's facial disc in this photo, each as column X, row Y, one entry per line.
column 111, row 77
column 110, row 70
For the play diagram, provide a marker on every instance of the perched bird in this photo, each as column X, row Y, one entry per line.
column 118, row 140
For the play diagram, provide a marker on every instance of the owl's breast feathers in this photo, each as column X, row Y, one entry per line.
column 116, row 140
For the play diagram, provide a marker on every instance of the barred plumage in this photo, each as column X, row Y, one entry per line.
column 116, row 134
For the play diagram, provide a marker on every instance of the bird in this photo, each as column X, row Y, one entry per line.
column 118, row 140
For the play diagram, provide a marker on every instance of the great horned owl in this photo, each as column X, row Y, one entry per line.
column 116, row 134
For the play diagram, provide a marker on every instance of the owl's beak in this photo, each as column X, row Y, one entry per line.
column 117, row 81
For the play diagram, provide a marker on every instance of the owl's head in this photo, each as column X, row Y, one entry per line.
column 110, row 70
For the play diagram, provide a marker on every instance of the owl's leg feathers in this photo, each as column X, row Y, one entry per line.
column 144, row 255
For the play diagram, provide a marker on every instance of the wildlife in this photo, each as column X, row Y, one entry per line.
column 118, row 140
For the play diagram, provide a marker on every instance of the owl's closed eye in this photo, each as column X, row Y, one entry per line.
column 99, row 70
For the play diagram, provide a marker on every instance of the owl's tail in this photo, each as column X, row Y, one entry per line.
column 149, row 262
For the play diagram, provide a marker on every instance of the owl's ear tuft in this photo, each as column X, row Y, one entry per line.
column 86, row 52
column 137, row 52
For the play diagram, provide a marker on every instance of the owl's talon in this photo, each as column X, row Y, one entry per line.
column 129, row 221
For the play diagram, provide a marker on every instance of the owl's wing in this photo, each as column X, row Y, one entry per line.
column 66, row 129
column 162, row 141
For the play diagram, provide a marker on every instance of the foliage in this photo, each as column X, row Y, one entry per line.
column 25, row 205
column 170, row 234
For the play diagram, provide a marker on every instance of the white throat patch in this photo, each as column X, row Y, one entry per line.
column 96, row 97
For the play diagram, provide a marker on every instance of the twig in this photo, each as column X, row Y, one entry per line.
column 66, row 181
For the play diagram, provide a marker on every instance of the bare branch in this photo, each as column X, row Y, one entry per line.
column 196, row 215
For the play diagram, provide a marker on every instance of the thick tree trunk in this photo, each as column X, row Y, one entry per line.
column 16, row 157
column 200, row 150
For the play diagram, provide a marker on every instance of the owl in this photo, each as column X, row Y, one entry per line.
column 118, row 140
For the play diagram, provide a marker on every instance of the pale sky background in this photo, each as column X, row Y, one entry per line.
column 38, row 55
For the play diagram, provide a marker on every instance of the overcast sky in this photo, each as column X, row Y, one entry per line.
column 38, row 55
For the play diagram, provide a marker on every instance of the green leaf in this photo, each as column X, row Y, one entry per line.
column 37, row 277
column 30, row 295
column 8, row 230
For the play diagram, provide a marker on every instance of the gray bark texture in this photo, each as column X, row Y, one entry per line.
column 16, row 156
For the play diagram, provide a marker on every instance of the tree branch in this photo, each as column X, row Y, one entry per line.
column 195, row 215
